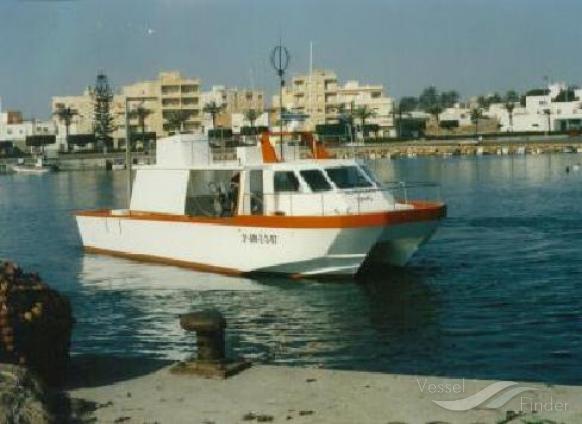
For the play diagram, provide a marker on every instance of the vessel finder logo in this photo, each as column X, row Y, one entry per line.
column 493, row 396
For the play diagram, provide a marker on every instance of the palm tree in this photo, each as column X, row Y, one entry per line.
column 141, row 113
column 435, row 110
column 363, row 113
column 177, row 118
column 65, row 115
column 213, row 109
column 252, row 115
column 476, row 114
column 404, row 106
column 548, row 113
column 509, row 106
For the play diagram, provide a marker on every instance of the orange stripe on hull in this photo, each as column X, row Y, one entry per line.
column 166, row 261
column 423, row 211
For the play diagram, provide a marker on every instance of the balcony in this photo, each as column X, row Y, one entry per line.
column 170, row 90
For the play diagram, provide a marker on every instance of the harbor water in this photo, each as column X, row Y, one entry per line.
column 495, row 294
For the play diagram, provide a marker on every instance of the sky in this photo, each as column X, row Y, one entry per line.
column 56, row 47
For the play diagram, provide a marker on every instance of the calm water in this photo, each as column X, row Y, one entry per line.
column 496, row 293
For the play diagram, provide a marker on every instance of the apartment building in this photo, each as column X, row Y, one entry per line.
column 169, row 92
column 320, row 96
column 233, row 101
column 313, row 95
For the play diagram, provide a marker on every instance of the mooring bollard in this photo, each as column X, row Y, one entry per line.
column 209, row 327
column 210, row 360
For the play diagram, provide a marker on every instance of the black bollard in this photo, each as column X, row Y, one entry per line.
column 209, row 327
column 210, row 361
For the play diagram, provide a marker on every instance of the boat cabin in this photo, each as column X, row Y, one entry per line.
column 186, row 181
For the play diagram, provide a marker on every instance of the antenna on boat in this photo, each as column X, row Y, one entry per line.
column 280, row 61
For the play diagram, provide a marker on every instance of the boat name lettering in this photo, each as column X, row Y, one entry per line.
column 258, row 238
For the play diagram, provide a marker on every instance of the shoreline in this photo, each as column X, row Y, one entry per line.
column 368, row 150
column 140, row 391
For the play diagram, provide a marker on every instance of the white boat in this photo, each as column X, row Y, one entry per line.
column 259, row 214
column 38, row 168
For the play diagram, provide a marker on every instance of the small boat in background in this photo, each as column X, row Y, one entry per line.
column 38, row 168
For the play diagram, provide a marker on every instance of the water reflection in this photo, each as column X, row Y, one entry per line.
column 270, row 319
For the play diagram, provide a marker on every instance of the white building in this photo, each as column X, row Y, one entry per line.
column 370, row 96
column 16, row 130
column 239, row 120
column 458, row 115
column 550, row 109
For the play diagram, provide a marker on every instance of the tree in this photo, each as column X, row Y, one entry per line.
column 141, row 113
column 494, row 98
column 177, row 118
column 483, row 102
column 363, row 113
column 102, row 119
column 252, row 115
column 476, row 114
column 512, row 96
column 509, row 106
column 407, row 104
column 449, row 98
column 213, row 109
column 428, row 98
column 436, row 111
column 65, row 115
column 548, row 113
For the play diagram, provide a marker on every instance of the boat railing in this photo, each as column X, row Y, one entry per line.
column 328, row 203
column 395, row 194
column 405, row 191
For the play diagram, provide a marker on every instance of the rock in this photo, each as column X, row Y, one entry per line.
column 35, row 324
column 23, row 398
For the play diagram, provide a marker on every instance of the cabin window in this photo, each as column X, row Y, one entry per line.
column 370, row 175
column 315, row 180
column 285, row 181
column 212, row 193
column 256, row 191
column 348, row 177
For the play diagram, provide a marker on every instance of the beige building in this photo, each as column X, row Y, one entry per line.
column 320, row 96
column 314, row 95
column 234, row 101
column 169, row 92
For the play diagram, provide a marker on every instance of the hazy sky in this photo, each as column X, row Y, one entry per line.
column 50, row 47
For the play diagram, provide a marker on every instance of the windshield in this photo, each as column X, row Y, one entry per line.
column 315, row 180
column 370, row 175
column 348, row 177
column 285, row 181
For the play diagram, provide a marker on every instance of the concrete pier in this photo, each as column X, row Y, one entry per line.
column 305, row 395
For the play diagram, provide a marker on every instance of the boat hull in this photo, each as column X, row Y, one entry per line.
column 301, row 248
column 32, row 170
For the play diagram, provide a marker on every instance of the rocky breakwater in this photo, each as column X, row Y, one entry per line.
column 35, row 331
